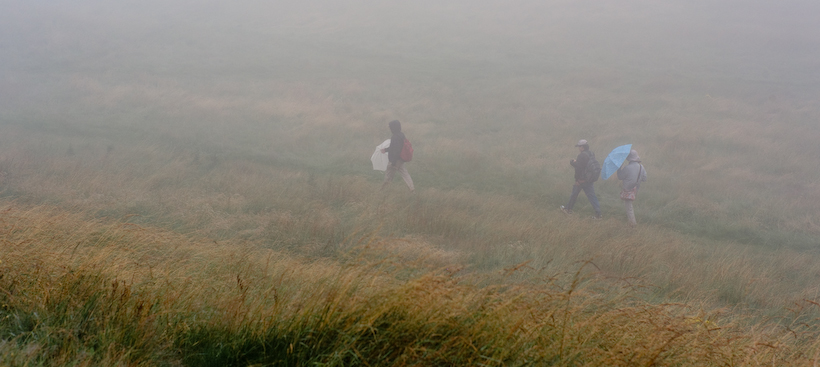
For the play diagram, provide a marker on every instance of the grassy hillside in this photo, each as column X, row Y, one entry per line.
column 80, row 292
column 191, row 186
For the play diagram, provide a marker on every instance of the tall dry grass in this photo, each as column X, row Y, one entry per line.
column 84, row 292
column 284, row 206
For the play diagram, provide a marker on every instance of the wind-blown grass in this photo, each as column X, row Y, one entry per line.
column 291, row 207
column 84, row 292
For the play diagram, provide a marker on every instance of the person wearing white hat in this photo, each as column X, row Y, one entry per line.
column 632, row 175
column 581, row 181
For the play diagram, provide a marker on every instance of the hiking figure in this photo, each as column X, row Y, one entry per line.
column 632, row 175
column 587, row 171
column 397, row 153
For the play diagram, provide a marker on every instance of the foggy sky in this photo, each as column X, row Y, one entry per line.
column 754, row 40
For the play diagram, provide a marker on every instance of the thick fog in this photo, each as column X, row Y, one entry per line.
column 155, row 64
column 763, row 40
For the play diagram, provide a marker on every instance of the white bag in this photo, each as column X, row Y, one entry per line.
column 379, row 159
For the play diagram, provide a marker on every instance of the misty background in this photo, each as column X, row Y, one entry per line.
column 53, row 51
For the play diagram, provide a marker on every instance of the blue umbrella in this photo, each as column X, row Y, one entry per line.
column 614, row 160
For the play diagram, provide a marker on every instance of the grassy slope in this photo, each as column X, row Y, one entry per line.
column 81, row 292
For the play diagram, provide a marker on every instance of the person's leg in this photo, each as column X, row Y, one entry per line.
column 576, row 189
column 388, row 174
column 589, row 190
column 630, row 213
column 404, row 174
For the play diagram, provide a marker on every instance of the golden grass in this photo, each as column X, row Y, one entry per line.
column 119, row 294
column 223, row 197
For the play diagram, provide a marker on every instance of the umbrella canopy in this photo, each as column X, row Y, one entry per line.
column 379, row 159
column 614, row 160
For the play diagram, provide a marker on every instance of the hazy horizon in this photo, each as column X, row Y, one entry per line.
column 764, row 41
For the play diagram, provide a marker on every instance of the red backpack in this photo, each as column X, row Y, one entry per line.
column 406, row 151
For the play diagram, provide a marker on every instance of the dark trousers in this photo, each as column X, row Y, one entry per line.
column 589, row 190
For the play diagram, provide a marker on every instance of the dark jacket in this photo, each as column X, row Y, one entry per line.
column 396, row 142
column 580, row 165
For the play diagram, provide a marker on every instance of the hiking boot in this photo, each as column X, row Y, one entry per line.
column 565, row 210
column 596, row 217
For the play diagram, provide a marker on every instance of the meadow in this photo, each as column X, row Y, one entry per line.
column 195, row 189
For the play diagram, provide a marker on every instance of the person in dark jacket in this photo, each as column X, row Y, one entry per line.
column 394, row 156
column 580, row 164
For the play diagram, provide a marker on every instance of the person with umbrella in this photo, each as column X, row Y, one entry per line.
column 394, row 156
column 632, row 175
column 582, row 182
